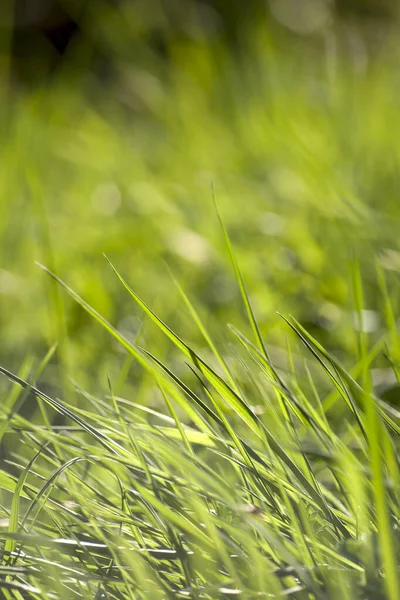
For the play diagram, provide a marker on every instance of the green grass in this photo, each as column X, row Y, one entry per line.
column 167, row 428
column 241, row 486
column 297, row 139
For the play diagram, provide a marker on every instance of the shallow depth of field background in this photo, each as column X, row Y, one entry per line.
column 117, row 121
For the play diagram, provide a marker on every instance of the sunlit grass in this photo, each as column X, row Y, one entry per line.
column 302, row 157
column 183, row 434
column 252, row 491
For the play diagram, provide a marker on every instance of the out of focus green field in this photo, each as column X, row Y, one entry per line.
column 295, row 131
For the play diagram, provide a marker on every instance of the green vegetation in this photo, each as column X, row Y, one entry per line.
column 241, row 486
column 212, row 445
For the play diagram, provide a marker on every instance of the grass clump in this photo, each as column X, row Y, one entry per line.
column 206, row 469
column 252, row 482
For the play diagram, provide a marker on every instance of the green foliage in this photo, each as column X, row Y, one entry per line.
column 188, row 458
column 253, row 491
column 295, row 135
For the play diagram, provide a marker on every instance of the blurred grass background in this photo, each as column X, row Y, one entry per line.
column 118, row 118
